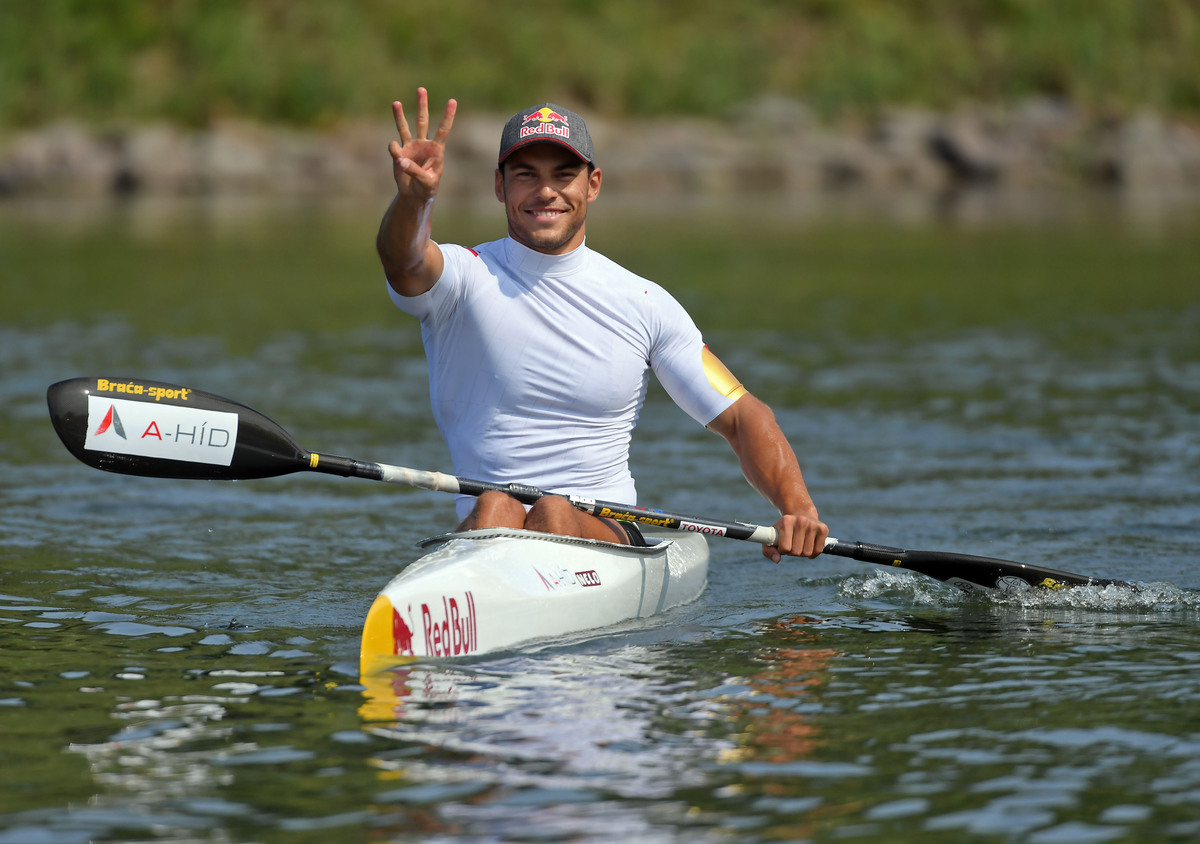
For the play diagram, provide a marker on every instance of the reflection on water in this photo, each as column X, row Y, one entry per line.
column 179, row 660
column 582, row 728
column 773, row 705
column 567, row 722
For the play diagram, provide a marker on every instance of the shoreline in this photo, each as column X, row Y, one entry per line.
column 776, row 150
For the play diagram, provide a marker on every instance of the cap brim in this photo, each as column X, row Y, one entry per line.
column 531, row 141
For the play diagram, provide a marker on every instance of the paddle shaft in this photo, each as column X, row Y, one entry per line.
column 965, row 571
column 439, row 482
column 155, row 429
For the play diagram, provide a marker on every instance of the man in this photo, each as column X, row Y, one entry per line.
column 539, row 349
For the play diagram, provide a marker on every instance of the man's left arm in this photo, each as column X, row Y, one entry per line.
column 771, row 467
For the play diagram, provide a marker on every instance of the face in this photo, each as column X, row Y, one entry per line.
column 546, row 191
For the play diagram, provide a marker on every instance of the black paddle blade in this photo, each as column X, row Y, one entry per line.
column 158, row 430
column 969, row 572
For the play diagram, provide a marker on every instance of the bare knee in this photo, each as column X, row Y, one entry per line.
column 495, row 509
column 553, row 514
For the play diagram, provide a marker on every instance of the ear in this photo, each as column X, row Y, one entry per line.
column 499, row 184
column 594, row 179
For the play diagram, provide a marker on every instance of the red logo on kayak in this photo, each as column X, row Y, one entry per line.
column 587, row 578
column 402, row 636
column 455, row 631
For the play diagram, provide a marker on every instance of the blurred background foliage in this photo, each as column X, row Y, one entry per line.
column 318, row 63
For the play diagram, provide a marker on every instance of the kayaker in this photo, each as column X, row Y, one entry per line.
column 540, row 348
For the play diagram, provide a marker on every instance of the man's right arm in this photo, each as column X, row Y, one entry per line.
column 411, row 260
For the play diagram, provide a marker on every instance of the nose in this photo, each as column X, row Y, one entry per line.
column 547, row 183
column 545, row 190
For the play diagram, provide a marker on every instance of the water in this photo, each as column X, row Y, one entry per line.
column 179, row 659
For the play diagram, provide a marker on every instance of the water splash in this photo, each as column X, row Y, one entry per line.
column 910, row 588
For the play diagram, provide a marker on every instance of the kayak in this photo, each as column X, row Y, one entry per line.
column 480, row 591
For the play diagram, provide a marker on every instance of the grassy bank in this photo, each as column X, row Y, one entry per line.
column 314, row 63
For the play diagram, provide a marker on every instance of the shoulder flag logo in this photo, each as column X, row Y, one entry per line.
column 111, row 420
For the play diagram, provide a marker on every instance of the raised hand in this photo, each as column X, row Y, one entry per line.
column 418, row 160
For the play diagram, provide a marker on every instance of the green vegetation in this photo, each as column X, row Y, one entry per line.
column 314, row 63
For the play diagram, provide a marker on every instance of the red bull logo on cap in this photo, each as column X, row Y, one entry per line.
column 545, row 115
column 542, row 122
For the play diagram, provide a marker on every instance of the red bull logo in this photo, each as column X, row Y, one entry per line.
column 545, row 115
column 402, row 635
column 452, row 632
column 545, row 121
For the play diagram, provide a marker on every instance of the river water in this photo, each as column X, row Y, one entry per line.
column 179, row 659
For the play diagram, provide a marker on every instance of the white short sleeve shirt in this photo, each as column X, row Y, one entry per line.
column 538, row 365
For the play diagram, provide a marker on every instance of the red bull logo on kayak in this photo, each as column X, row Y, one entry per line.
column 543, row 122
column 402, row 635
column 451, row 629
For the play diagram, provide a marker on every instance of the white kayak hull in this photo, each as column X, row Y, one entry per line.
column 489, row 590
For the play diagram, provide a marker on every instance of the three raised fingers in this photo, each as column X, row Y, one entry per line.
column 402, row 126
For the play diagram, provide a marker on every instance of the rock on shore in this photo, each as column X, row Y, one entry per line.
column 771, row 145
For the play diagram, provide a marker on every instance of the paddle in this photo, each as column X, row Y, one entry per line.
column 154, row 429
